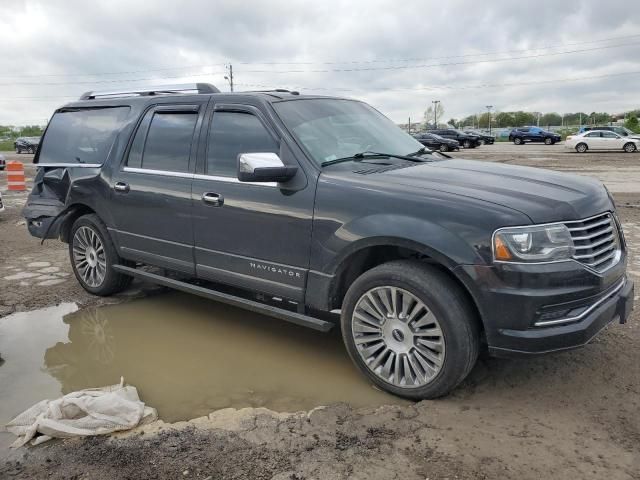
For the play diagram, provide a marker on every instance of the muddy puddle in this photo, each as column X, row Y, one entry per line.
column 187, row 356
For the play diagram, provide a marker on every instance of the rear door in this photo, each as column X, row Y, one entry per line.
column 151, row 192
column 257, row 236
column 594, row 142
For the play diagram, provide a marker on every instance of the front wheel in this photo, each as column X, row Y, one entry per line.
column 466, row 144
column 548, row 141
column 630, row 147
column 410, row 329
column 18, row 151
column 517, row 141
column 444, row 147
column 482, row 142
column 93, row 255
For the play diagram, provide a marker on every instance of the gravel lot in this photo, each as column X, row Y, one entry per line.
column 570, row 415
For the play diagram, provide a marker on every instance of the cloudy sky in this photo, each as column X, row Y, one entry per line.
column 541, row 55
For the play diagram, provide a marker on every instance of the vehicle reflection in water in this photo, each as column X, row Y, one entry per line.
column 188, row 356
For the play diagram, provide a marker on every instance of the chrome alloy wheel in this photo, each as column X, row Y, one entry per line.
column 88, row 256
column 398, row 337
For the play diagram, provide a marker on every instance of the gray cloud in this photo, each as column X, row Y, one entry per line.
column 74, row 38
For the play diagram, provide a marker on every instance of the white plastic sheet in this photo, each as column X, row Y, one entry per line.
column 96, row 411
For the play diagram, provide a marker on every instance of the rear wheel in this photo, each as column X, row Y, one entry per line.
column 481, row 142
column 466, row 144
column 93, row 255
column 581, row 148
column 18, row 151
column 517, row 141
column 629, row 147
column 444, row 147
column 410, row 329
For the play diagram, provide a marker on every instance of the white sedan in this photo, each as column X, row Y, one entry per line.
column 601, row 140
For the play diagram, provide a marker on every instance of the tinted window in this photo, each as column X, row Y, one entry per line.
column 609, row 135
column 593, row 134
column 168, row 142
column 233, row 133
column 82, row 135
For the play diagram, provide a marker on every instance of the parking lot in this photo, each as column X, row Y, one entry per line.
column 569, row 415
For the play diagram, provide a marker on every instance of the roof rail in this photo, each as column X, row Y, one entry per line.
column 159, row 90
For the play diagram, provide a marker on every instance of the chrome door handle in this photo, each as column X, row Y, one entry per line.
column 213, row 199
column 121, row 187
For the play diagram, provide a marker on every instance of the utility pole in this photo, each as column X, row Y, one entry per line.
column 229, row 77
column 409, row 128
column 489, row 107
column 435, row 112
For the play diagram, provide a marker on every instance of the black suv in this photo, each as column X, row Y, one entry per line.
column 26, row 144
column 464, row 139
column 436, row 142
column 297, row 206
column 521, row 135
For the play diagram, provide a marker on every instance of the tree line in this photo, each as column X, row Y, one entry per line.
column 9, row 132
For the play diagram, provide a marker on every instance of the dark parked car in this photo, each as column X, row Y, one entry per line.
column 436, row 142
column 522, row 135
column 26, row 144
column 3, row 162
column 296, row 206
column 622, row 131
column 485, row 139
column 464, row 139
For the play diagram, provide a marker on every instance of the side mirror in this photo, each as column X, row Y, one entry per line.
column 263, row 167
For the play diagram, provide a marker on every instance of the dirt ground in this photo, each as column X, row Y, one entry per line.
column 569, row 415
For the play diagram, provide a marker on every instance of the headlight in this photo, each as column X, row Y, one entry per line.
column 544, row 243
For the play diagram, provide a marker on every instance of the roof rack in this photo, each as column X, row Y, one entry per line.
column 159, row 90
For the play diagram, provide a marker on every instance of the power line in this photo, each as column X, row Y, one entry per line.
column 341, row 62
column 390, row 89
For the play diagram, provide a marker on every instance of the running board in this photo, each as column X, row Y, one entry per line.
column 281, row 313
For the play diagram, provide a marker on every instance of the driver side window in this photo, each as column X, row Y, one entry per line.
column 233, row 133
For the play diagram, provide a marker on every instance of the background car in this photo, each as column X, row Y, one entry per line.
column 522, row 135
column 436, row 142
column 601, row 140
column 622, row 131
column 26, row 144
column 1, row 203
column 3, row 162
column 484, row 137
column 464, row 139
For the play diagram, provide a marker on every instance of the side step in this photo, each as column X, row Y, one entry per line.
column 281, row 313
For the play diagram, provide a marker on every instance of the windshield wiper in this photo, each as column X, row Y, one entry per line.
column 422, row 151
column 358, row 157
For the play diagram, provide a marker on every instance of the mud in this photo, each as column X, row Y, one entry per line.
column 571, row 415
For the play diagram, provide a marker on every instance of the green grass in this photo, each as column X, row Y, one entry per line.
column 6, row 146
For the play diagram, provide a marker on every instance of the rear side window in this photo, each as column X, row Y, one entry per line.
column 163, row 141
column 81, row 135
column 233, row 133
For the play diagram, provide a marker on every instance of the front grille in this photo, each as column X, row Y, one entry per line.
column 596, row 240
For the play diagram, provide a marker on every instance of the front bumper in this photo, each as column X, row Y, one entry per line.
column 536, row 309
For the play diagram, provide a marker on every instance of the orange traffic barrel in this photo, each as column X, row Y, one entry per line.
column 15, row 176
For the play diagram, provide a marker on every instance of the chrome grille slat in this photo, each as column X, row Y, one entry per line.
column 592, row 235
column 599, row 242
column 596, row 241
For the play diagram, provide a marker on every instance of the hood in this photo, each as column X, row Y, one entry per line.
column 543, row 195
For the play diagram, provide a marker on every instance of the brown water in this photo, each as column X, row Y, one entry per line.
column 187, row 356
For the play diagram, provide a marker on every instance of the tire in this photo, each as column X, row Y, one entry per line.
column 629, row 147
column 548, row 141
column 18, row 151
column 455, row 330
column 518, row 141
column 111, row 281
column 466, row 144
column 581, row 148
column 481, row 142
column 444, row 147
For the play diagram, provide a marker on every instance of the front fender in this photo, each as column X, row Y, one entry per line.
column 429, row 238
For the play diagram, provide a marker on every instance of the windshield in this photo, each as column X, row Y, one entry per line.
column 330, row 129
column 83, row 135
